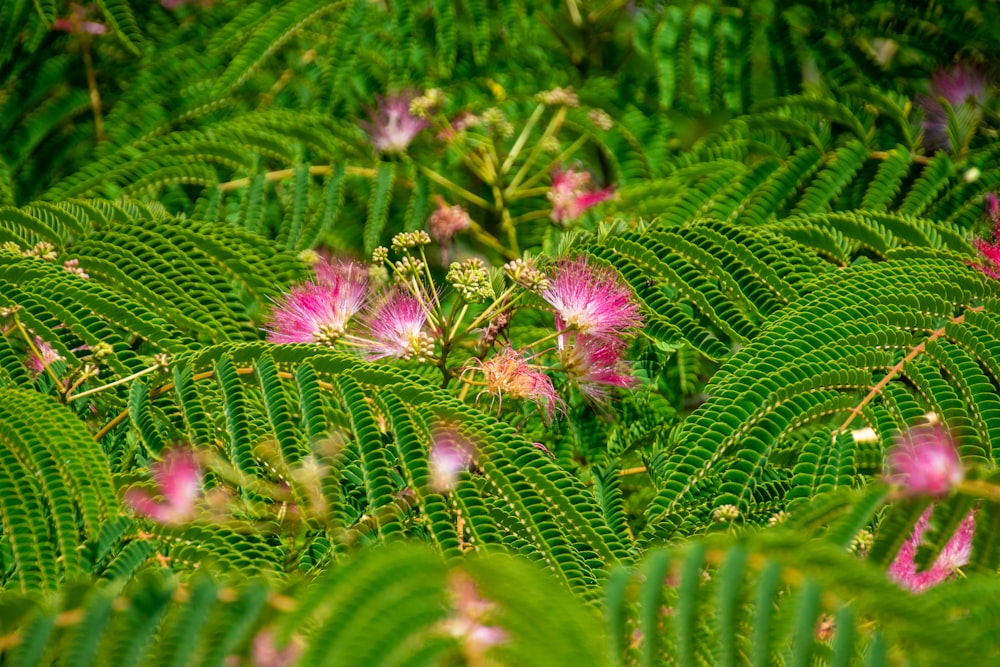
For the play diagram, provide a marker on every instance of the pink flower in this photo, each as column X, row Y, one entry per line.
column 591, row 300
column 571, row 194
column 178, row 479
column 395, row 328
column 447, row 221
column 450, row 454
column 925, row 462
column 75, row 23
column 955, row 554
column 990, row 251
column 318, row 312
column 964, row 85
column 265, row 651
column 393, row 127
column 73, row 266
column 595, row 365
column 49, row 356
column 472, row 615
column 508, row 374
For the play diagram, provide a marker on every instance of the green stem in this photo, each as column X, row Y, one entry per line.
column 123, row 380
column 454, row 187
column 551, row 129
column 522, row 138
column 574, row 147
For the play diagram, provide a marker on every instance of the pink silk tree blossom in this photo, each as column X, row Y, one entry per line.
column 591, row 300
column 595, row 365
column 965, row 88
column 507, row 373
column 395, row 327
column 924, row 462
column 178, row 480
column 392, row 127
column 572, row 194
column 955, row 554
column 318, row 312
column 450, row 453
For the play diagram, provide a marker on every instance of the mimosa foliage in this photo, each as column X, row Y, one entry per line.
column 809, row 286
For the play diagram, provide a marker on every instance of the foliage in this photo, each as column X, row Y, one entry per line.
column 747, row 187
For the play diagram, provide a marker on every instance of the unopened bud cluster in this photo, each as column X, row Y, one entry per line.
column 726, row 513
column 408, row 267
column 407, row 240
column 424, row 105
column 559, row 97
column 471, row 280
column 524, row 273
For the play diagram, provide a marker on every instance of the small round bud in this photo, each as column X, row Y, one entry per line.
column 725, row 513
column 524, row 273
column 471, row 280
column 780, row 517
column 102, row 351
column 73, row 266
column 162, row 362
column 380, row 255
column 559, row 97
column 600, row 119
column 309, row 256
column 409, row 267
column 407, row 240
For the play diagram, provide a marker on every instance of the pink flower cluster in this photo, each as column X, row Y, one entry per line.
column 598, row 309
column 508, row 373
column 955, row 554
column 572, row 194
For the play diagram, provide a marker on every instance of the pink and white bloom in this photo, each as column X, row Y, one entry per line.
column 591, row 300
column 990, row 252
column 49, row 356
column 955, row 554
column 393, row 127
column 450, row 453
column 395, row 327
column 924, row 462
column 507, row 373
column 471, row 620
column 572, row 194
column 266, row 652
column 178, row 480
column 595, row 365
column 75, row 23
column 964, row 85
column 318, row 312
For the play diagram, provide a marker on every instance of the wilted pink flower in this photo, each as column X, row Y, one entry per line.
column 318, row 312
column 446, row 221
column 591, row 300
column 265, row 651
column 924, row 461
column 955, row 554
column 572, row 194
column 508, row 374
column 965, row 86
column 450, row 453
column 49, row 356
column 75, row 23
column 595, row 365
column 395, row 328
column 178, row 480
column 392, row 126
